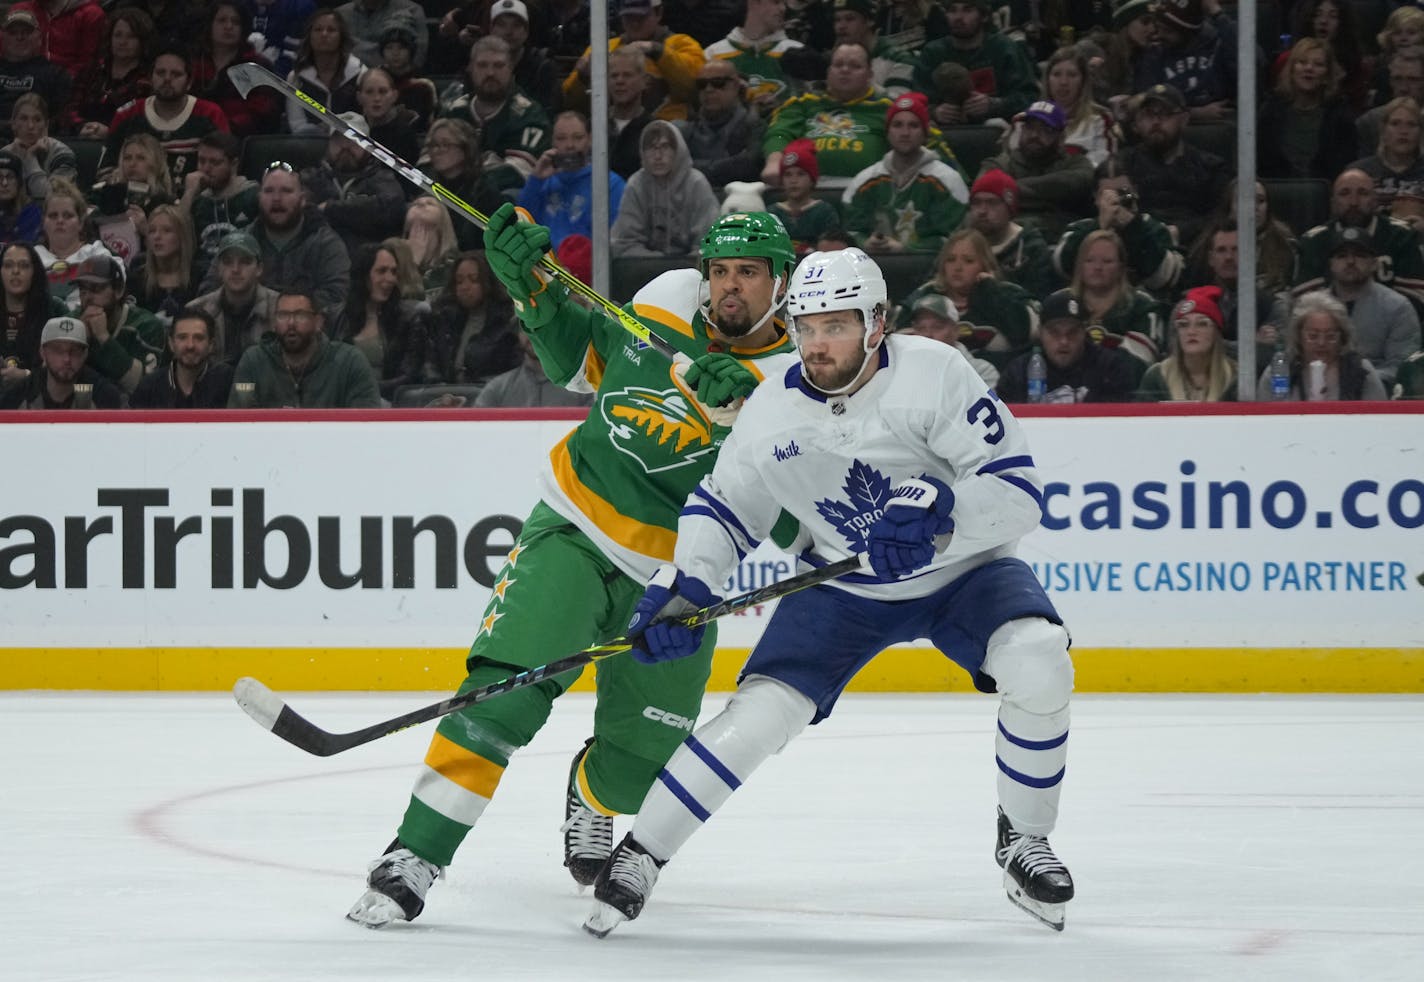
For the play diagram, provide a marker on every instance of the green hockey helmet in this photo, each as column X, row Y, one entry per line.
column 750, row 233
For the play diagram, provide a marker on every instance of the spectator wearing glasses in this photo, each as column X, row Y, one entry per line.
column 298, row 249
column 755, row 49
column 1321, row 331
column 723, row 134
column 452, row 157
column 299, row 367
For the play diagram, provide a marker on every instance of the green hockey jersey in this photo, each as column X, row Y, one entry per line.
column 623, row 474
column 919, row 210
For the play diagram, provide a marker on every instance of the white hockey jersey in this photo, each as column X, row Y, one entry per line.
column 831, row 462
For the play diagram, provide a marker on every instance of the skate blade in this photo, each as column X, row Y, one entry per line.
column 1050, row 914
column 603, row 919
column 375, row 911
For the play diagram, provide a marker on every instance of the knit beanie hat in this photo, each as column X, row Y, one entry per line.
column 910, row 102
column 1205, row 300
column 1000, row 185
column 801, row 153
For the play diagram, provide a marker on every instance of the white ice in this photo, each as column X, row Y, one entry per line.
column 167, row 837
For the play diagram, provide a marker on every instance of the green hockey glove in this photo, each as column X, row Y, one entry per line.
column 514, row 248
column 719, row 384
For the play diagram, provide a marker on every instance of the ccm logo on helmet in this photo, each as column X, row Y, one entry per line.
column 670, row 719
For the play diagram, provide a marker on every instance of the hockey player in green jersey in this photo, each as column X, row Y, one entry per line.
column 606, row 520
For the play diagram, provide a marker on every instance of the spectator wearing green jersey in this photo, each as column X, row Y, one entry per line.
column 855, row 24
column 755, row 49
column 1001, row 75
column 1117, row 314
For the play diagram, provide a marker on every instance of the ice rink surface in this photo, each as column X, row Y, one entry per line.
column 168, row 837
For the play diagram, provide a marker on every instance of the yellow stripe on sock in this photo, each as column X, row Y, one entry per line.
column 586, row 793
column 469, row 770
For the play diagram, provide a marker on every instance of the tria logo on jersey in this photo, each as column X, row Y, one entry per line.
column 657, row 429
column 867, row 490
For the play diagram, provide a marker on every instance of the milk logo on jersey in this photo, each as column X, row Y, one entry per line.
column 656, row 428
column 866, row 491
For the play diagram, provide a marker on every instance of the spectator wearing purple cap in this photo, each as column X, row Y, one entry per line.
column 63, row 381
column 1002, row 77
column 1055, row 181
column 1067, row 82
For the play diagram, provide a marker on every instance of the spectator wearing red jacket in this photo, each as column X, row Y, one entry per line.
column 223, row 43
column 71, row 28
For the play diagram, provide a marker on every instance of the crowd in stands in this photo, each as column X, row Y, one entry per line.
column 1050, row 181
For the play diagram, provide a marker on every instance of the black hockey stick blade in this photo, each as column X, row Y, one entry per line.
column 248, row 76
column 272, row 713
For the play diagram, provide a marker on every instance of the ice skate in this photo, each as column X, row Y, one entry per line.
column 622, row 887
column 588, row 836
column 1036, row 880
column 397, row 882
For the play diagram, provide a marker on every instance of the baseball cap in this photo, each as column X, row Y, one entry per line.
column 937, row 304
column 398, row 35
column 866, row 8
column 1350, row 237
column 1059, row 306
column 1126, row 11
column 64, row 329
column 240, row 242
column 105, row 270
column 515, row 7
column 20, row 17
column 12, row 163
column 1186, row 14
column 1048, row 113
column 638, row 6
column 356, row 121
column 1001, row 185
column 1163, row 95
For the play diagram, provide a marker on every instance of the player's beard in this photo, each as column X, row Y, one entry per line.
column 829, row 376
column 736, row 325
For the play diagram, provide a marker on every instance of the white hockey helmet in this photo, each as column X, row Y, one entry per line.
column 846, row 279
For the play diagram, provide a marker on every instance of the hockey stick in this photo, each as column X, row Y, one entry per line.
column 268, row 709
column 247, row 76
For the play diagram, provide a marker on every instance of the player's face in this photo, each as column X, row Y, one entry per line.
column 63, row 360
column 832, row 347
column 741, row 292
column 190, row 343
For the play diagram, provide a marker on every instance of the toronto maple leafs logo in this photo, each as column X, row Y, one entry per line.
column 867, row 490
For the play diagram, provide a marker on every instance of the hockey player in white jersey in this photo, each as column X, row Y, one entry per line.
column 894, row 448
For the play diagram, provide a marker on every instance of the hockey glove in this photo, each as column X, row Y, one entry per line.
column 656, row 630
column 718, row 383
column 514, row 249
column 902, row 539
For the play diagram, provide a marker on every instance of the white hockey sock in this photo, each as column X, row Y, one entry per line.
column 759, row 720
column 1032, row 753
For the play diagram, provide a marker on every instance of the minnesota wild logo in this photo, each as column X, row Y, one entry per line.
column 656, row 428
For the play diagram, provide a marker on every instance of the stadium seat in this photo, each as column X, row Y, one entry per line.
column 299, row 151
column 1302, row 203
column 628, row 274
column 973, row 145
column 1217, row 138
column 421, row 396
column 87, row 154
column 904, row 271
